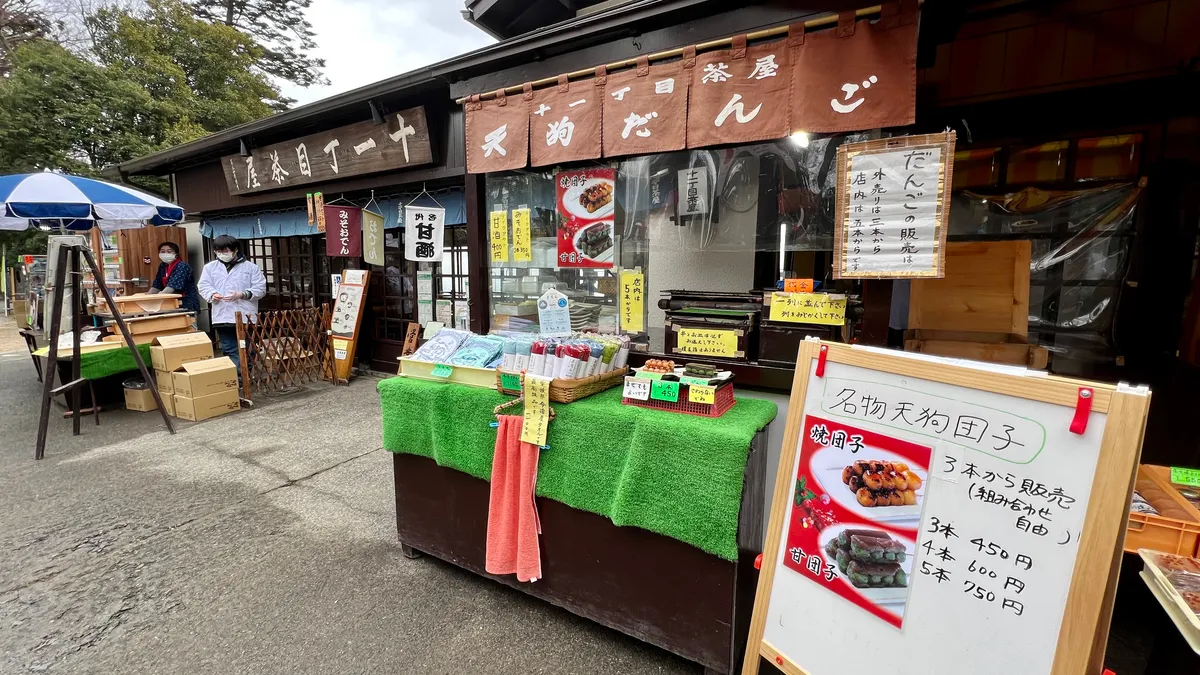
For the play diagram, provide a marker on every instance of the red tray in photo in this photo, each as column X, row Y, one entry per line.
column 722, row 402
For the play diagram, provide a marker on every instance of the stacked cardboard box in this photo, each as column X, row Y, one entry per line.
column 192, row 384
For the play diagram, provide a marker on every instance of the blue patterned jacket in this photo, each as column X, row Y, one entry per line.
column 182, row 281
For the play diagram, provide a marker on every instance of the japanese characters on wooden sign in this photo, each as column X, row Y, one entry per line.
column 736, row 95
column 892, row 206
column 363, row 147
column 645, row 109
column 497, row 133
column 564, row 122
column 343, row 234
column 424, row 230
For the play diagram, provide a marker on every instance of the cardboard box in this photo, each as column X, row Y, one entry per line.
column 168, row 404
column 166, row 385
column 203, row 378
column 139, row 399
column 197, row 409
column 169, row 352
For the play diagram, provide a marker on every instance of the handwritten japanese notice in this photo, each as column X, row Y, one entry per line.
column 818, row 308
column 537, row 410
column 698, row 393
column 498, row 236
column 661, row 390
column 1184, row 476
column 424, row 232
column 892, row 202
column 707, row 342
column 372, row 224
column 522, row 245
column 633, row 301
column 797, row 285
column 637, row 388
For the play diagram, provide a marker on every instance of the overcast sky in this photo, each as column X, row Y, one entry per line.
column 364, row 41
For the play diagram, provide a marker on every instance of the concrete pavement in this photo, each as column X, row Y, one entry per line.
column 260, row 542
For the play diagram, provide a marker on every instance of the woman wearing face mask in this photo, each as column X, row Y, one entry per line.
column 175, row 276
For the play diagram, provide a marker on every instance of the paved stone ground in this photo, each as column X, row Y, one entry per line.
column 260, row 542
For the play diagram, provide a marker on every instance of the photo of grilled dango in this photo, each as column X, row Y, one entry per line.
column 880, row 483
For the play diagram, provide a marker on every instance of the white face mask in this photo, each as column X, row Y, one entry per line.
column 225, row 257
column 167, row 257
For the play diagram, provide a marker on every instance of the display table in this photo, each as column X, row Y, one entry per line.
column 105, row 365
column 650, row 520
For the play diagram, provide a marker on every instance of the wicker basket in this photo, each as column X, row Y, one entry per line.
column 569, row 391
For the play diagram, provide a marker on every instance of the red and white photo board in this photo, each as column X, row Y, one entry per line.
column 944, row 517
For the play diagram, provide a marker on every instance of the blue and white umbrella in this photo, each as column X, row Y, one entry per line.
column 78, row 203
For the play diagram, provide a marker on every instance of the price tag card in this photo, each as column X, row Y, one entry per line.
column 647, row 375
column 664, row 391
column 1188, row 477
column 499, row 236
column 511, row 381
column 685, row 379
column 637, row 388
column 702, row 394
column 537, row 409
column 442, row 370
column 522, row 242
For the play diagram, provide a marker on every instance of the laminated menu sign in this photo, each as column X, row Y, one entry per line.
column 707, row 342
column 633, row 300
column 554, row 316
column 892, row 206
column 586, row 214
column 855, row 514
column 522, row 246
column 819, row 308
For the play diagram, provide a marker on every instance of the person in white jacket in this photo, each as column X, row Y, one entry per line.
column 232, row 284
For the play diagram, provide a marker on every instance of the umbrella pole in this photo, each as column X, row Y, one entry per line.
column 137, row 356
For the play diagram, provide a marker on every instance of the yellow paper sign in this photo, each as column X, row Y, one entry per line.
column 633, row 301
column 818, row 308
column 707, row 342
column 537, row 409
column 499, row 237
column 702, row 394
column 522, row 243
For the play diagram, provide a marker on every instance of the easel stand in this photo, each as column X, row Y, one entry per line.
column 72, row 254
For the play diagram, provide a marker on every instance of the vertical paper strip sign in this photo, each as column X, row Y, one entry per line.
column 522, row 244
column 372, row 224
column 537, row 410
column 633, row 300
column 498, row 236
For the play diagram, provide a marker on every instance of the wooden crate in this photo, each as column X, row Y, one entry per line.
column 168, row 324
column 980, row 310
column 1177, row 533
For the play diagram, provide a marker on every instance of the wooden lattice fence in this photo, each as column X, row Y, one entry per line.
column 284, row 350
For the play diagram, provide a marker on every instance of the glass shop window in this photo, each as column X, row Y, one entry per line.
column 713, row 223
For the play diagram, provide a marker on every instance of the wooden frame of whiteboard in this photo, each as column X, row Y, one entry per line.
column 1080, row 643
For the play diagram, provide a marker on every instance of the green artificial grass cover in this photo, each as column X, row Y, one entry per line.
column 674, row 474
column 98, row 365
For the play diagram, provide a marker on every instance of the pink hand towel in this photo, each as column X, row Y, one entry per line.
column 513, row 526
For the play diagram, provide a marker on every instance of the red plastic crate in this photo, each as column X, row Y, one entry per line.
column 722, row 402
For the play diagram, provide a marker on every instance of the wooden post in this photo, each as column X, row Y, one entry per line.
column 243, row 354
column 77, row 307
column 60, row 270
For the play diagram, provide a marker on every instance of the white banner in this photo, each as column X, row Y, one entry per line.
column 423, row 232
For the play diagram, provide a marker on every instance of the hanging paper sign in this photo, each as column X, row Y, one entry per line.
column 892, row 207
column 522, row 240
column 537, row 410
column 372, row 238
column 554, row 317
column 797, row 285
column 497, row 133
column 661, row 390
column 702, row 394
column 498, row 235
column 1188, row 477
column 707, row 342
column 645, row 109
column 424, row 297
column 564, row 122
column 637, row 388
column 344, row 236
column 819, row 308
column 633, row 301
column 693, row 191
column 424, row 229
column 861, row 75
column 586, row 213
column 736, row 94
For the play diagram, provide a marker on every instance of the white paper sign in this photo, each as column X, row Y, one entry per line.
column 423, row 233
column 637, row 388
column 424, row 297
column 335, row 281
column 693, row 191
column 553, row 315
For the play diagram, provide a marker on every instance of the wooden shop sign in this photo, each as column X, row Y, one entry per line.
column 402, row 141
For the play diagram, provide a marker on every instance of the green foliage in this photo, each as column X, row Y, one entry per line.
column 31, row 242
column 280, row 30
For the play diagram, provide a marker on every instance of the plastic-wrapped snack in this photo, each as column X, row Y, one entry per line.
column 873, row 575
column 844, row 537
column 873, row 549
column 442, row 346
column 477, row 351
column 1140, row 505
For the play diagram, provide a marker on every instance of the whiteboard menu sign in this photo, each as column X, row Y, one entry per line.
column 343, row 325
column 893, row 207
column 943, row 511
